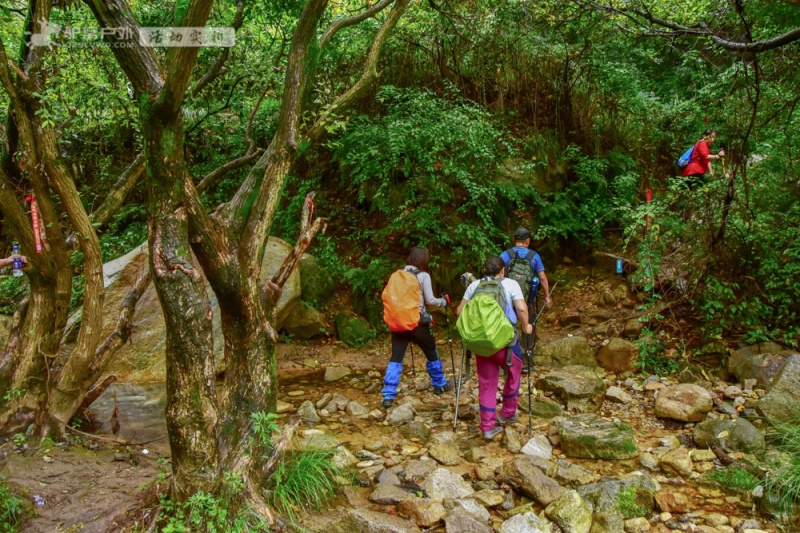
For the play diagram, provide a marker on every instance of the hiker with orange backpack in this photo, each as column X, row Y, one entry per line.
column 405, row 300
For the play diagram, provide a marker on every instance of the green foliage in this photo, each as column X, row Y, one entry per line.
column 264, row 425
column 733, row 477
column 12, row 290
column 305, row 479
column 652, row 356
column 10, row 511
column 782, row 482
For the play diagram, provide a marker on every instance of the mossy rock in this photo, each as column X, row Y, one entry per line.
column 316, row 283
column 370, row 308
column 352, row 330
column 593, row 437
column 630, row 498
column 541, row 408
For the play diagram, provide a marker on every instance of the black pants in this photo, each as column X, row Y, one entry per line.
column 421, row 336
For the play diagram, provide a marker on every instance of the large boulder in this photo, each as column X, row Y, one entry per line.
column 685, row 402
column 618, row 356
column 316, row 284
column 782, row 402
column 577, row 386
column 761, row 362
column 305, row 322
column 593, row 437
column 352, row 330
column 566, row 352
column 525, row 477
column 737, row 435
column 443, row 484
column 142, row 357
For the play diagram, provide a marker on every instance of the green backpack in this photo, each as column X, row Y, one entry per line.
column 483, row 325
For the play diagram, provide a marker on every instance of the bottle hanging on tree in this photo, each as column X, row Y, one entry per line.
column 16, row 266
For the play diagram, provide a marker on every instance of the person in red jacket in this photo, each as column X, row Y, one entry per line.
column 698, row 166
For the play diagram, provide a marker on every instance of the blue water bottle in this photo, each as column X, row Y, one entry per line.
column 16, row 265
column 619, row 265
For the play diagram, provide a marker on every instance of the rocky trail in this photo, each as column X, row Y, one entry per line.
column 610, row 450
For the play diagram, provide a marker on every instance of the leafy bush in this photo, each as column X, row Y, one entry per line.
column 12, row 290
column 652, row 356
column 10, row 511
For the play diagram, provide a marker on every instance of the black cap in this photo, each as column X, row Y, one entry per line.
column 521, row 234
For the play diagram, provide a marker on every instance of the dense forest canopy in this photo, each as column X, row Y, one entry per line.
column 442, row 123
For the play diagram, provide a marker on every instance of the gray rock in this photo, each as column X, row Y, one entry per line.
column 490, row 497
column 685, row 402
column 365, row 455
column 356, row 409
column 570, row 474
column 649, row 461
column 637, row 525
column 593, row 437
column 529, row 480
column 305, row 322
column 608, row 495
column 386, row 494
column 732, row 392
column 538, row 446
column 400, row 415
column 632, row 329
column 366, row 521
column 566, row 352
column 571, row 513
column 782, row 402
column 737, row 435
column 442, row 484
column 575, row 385
column 542, row 407
column 425, row 512
column 444, row 449
column 677, row 462
column 323, row 400
column 374, row 446
column 316, row 284
column 761, row 362
column 343, row 458
column 615, row 394
column 307, row 413
column 415, row 430
column 618, row 356
column 416, row 471
column 460, row 521
column 335, row 373
column 476, row 454
column 387, row 477
column 470, row 505
column 525, row 523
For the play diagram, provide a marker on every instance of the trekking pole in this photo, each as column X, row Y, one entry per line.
column 413, row 365
column 529, row 352
column 458, row 388
column 449, row 338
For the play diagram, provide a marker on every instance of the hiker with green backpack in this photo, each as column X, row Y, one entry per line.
column 487, row 318
column 405, row 299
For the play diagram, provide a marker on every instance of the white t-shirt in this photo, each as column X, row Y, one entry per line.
column 512, row 292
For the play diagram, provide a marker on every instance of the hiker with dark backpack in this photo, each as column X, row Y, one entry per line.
column 405, row 301
column 487, row 318
column 524, row 266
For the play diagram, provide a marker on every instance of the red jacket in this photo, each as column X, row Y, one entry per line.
column 698, row 163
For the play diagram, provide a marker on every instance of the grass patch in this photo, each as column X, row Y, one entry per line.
column 305, row 479
column 734, row 478
column 629, row 503
column 10, row 511
column 782, row 482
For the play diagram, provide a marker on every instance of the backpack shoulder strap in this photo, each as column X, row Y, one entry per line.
column 529, row 255
column 511, row 253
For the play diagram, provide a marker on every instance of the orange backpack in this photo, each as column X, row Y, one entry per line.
column 401, row 301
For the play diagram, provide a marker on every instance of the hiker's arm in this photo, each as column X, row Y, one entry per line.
column 427, row 292
column 461, row 306
column 522, row 316
column 545, row 286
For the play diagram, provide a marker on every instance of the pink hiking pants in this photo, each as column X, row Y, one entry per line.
column 488, row 375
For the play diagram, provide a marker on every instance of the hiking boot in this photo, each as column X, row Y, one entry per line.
column 387, row 403
column 447, row 387
column 489, row 435
column 510, row 420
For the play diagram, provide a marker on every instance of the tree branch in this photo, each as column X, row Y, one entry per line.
column 216, row 67
column 342, row 23
column 289, row 264
column 119, row 192
column 368, row 77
